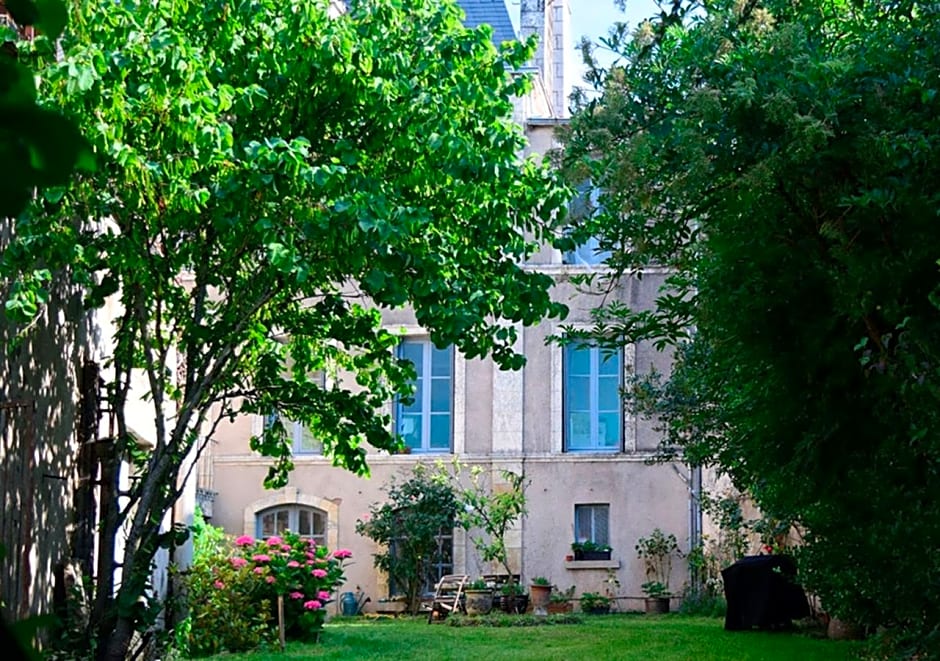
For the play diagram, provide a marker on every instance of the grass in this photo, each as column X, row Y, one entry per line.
column 597, row 638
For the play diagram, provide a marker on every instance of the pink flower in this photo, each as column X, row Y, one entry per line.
column 269, row 579
column 312, row 605
column 245, row 540
column 323, row 595
column 258, row 570
column 342, row 554
column 275, row 541
column 296, row 595
column 293, row 563
column 238, row 562
column 219, row 584
column 285, row 547
column 319, row 573
column 310, row 555
column 261, row 557
column 310, row 562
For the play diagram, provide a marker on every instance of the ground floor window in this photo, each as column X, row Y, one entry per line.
column 592, row 523
column 305, row 521
column 441, row 564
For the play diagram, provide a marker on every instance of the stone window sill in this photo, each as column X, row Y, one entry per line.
column 591, row 564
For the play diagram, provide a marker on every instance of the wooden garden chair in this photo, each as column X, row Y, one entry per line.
column 448, row 596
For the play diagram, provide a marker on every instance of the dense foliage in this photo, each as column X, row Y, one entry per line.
column 781, row 158
column 232, row 591
column 409, row 527
column 270, row 174
column 231, row 618
column 38, row 146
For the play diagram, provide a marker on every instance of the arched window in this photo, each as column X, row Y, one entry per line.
column 305, row 521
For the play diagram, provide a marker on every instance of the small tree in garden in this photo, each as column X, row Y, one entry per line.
column 487, row 510
column 409, row 526
column 233, row 591
column 656, row 552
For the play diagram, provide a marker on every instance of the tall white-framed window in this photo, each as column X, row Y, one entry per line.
column 303, row 440
column 592, row 523
column 426, row 424
column 593, row 410
column 305, row 521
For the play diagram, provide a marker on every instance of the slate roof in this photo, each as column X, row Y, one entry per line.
column 491, row 12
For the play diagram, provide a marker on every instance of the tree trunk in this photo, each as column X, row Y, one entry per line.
column 115, row 646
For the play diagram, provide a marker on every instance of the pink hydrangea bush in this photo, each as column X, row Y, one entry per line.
column 233, row 592
column 304, row 572
column 229, row 609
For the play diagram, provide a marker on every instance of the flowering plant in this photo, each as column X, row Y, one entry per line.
column 232, row 592
column 304, row 573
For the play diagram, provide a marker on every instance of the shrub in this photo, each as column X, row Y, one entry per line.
column 506, row 620
column 703, row 603
column 235, row 617
column 233, row 590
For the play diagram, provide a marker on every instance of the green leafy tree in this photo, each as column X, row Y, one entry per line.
column 409, row 526
column 781, row 159
column 271, row 176
column 488, row 509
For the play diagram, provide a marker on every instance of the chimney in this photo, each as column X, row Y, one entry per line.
column 548, row 20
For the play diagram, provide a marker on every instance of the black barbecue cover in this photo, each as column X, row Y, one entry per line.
column 762, row 592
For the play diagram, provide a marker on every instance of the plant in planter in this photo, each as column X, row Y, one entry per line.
column 514, row 598
column 595, row 603
column 656, row 552
column 560, row 600
column 541, row 591
column 487, row 511
column 588, row 550
column 479, row 597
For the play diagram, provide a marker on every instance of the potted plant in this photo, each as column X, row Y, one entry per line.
column 541, row 591
column 513, row 598
column 656, row 552
column 479, row 598
column 588, row 550
column 488, row 508
column 595, row 603
column 560, row 600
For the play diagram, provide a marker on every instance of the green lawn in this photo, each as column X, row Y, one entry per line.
column 598, row 638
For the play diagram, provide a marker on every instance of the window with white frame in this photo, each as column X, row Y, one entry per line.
column 302, row 439
column 305, row 521
column 592, row 523
column 426, row 424
column 593, row 412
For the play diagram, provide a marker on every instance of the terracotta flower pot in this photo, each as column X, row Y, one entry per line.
column 540, row 597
